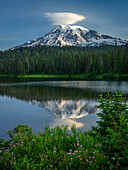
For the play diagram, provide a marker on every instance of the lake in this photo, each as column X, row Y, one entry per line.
column 40, row 103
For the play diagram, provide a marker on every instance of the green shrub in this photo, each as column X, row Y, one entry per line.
column 54, row 148
column 108, row 76
column 113, row 128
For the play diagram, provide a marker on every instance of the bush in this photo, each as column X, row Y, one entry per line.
column 113, row 128
column 108, row 76
column 54, row 148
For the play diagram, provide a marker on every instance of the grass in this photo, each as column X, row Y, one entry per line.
column 89, row 76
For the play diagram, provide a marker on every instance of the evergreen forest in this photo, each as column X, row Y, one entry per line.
column 65, row 60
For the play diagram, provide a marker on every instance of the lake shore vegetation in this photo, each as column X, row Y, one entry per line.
column 103, row 147
column 89, row 76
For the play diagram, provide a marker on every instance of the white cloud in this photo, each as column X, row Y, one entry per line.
column 64, row 18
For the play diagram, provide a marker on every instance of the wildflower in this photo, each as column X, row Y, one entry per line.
column 78, row 141
column 90, row 161
column 69, row 163
column 77, row 144
column 104, row 156
column 93, row 157
column 73, row 153
column 93, row 152
column 9, row 129
column 79, row 151
column 71, row 158
column 14, row 163
column 86, row 159
column 76, row 138
column 81, row 159
column 86, row 150
column 51, row 166
column 22, row 142
column 76, row 151
column 54, row 151
column 70, row 150
column 69, row 153
column 81, row 146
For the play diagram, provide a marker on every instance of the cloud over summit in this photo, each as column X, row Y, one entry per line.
column 64, row 18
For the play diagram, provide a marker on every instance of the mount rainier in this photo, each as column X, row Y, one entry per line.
column 66, row 35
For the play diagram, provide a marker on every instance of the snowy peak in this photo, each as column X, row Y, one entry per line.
column 75, row 28
column 67, row 35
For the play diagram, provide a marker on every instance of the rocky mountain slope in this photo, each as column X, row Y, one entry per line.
column 66, row 35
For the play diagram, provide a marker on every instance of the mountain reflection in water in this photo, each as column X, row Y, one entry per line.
column 64, row 102
column 65, row 109
column 66, row 99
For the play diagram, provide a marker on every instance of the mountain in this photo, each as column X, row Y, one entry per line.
column 66, row 35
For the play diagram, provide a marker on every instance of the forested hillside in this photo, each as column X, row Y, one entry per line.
column 65, row 60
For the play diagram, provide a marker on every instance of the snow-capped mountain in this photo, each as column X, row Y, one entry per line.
column 66, row 35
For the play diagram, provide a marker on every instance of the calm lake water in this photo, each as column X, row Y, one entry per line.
column 40, row 103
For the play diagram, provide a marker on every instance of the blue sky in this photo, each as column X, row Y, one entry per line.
column 24, row 20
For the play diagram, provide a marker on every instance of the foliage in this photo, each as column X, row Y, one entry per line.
column 107, row 60
column 54, row 148
column 113, row 107
column 113, row 128
column 103, row 147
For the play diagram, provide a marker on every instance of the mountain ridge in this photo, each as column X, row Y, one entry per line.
column 67, row 35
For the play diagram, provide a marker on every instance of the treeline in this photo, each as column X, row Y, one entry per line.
column 65, row 60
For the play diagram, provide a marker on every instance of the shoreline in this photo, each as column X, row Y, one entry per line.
column 90, row 76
